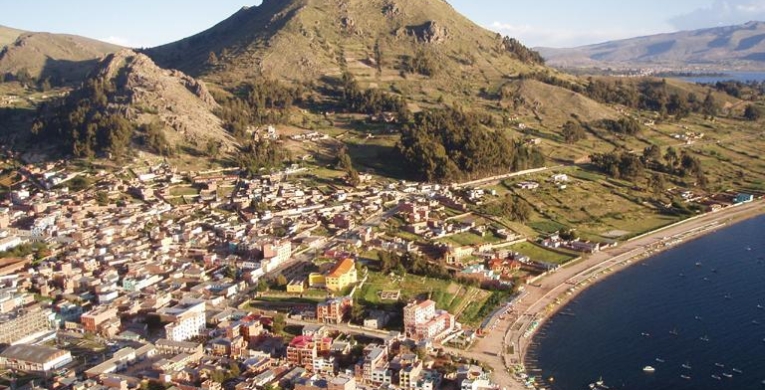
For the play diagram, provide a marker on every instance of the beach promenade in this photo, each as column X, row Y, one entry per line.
column 505, row 347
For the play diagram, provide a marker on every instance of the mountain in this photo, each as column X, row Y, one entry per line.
column 731, row 47
column 128, row 100
column 8, row 35
column 60, row 57
column 306, row 40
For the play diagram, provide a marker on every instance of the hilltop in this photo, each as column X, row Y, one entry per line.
column 376, row 40
column 8, row 35
column 730, row 47
column 61, row 58
column 128, row 102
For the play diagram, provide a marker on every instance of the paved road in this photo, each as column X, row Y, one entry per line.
column 538, row 299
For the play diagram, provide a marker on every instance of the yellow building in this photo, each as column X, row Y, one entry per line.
column 342, row 275
column 296, row 286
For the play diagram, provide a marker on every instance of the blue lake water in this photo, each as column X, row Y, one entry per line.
column 735, row 76
column 670, row 309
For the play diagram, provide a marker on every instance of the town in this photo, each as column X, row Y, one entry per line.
column 145, row 277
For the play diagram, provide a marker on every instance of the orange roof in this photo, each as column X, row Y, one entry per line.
column 341, row 268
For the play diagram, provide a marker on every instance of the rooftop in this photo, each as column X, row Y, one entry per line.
column 341, row 268
column 32, row 353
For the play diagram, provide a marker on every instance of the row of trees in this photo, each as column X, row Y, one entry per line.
column 410, row 263
column 629, row 166
column 265, row 154
column 450, row 144
column 521, row 52
column 371, row 101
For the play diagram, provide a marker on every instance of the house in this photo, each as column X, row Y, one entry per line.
column 342, row 275
column 743, row 198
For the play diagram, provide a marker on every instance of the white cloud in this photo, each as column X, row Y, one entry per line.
column 557, row 37
column 118, row 41
column 721, row 13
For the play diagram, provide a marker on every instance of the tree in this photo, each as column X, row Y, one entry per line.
column 709, row 107
column 234, row 370
column 378, row 52
column 281, row 281
column 344, row 162
column 752, row 113
column 262, row 285
column 670, row 157
column 279, row 323
column 357, row 312
column 102, row 198
column 656, row 183
column 573, row 132
column 652, row 154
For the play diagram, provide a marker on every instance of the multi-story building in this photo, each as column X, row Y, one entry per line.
column 334, row 310
column 375, row 359
column 24, row 323
column 423, row 322
column 187, row 320
column 342, row 383
column 275, row 254
column 96, row 320
column 303, row 350
column 409, row 375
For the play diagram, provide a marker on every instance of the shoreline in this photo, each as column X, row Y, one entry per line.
column 541, row 303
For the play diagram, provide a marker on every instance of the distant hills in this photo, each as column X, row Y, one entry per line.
column 731, row 47
column 62, row 58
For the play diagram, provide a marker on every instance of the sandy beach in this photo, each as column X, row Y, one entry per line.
column 506, row 345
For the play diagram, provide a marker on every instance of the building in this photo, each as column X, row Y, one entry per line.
column 170, row 347
column 187, row 320
column 342, row 383
column 24, row 323
column 342, row 275
column 375, row 359
column 100, row 319
column 334, row 310
column 34, row 358
column 423, row 322
column 275, row 254
column 409, row 375
column 304, row 349
column 743, row 198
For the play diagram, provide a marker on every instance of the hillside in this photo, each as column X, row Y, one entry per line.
column 59, row 57
column 159, row 111
column 306, row 40
column 8, row 35
column 731, row 47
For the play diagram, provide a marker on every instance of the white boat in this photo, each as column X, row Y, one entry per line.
column 716, row 377
column 725, row 374
column 686, row 377
column 686, row 366
column 737, row 371
column 660, row 360
column 720, row 365
column 648, row 369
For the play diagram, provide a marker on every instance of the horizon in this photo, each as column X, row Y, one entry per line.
column 545, row 24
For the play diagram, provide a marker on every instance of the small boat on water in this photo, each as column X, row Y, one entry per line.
column 704, row 338
column 698, row 264
column 716, row 377
column 686, row 366
column 686, row 377
column 644, row 334
column 720, row 365
column 660, row 360
column 648, row 369
column 674, row 332
column 698, row 318
column 737, row 371
column 725, row 374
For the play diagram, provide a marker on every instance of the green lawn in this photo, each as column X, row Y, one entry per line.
column 465, row 239
column 540, row 254
column 183, row 191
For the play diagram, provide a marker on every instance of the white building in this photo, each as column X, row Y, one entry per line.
column 423, row 322
column 34, row 358
column 187, row 320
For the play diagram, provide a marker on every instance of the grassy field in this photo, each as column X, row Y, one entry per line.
column 183, row 191
column 453, row 297
column 540, row 254
column 465, row 239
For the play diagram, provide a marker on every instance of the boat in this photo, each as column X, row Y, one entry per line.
column 698, row 318
column 674, row 332
column 725, row 374
column 737, row 371
column 760, row 307
column 698, row 264
column 660, row 360
column 720, row 365
column 644, row 334
column 755, row 322
column 648, row 369
column 704, row 338
column 716, row 377
column 686, row 377
column 686, row 366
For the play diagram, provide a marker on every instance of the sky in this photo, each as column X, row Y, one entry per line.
column 550, row 23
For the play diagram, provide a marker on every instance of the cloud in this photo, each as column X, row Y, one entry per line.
column 556, row 37
column 721, row 13
column 118, row 41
